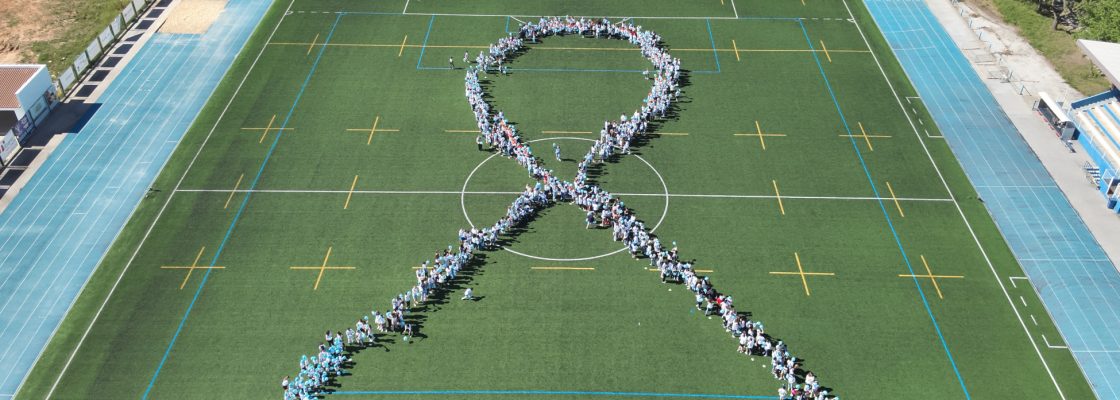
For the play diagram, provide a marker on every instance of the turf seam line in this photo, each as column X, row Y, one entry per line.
column 241, row 209
column 949, row 191
column 170, row 196
column 886, row 214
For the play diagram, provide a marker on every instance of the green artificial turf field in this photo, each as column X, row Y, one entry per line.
column 369, row 176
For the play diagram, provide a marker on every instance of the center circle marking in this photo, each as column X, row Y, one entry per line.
column 463, row 203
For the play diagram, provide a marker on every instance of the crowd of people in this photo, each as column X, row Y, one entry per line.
column 603, row 210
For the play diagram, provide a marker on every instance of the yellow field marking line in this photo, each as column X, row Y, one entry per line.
column 403, row 42
column 234, row 191
column 190, row 269
column 826, row 52
column 267, row 129
column 567, row 132
column 760, row 134
column 350, row 193
column 706, row 49
column 933, row 278
column 866, row 137
column 721, row 2
column 895, row 198
column 801, row 272
column 802, row 2
column 736, row 48
column 564, row 268
column 312, row 45
column 779, row 197
column 374, row 129
column 323, row 267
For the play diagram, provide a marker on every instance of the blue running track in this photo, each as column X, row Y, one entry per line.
column 1075, row 279
column 55, row 232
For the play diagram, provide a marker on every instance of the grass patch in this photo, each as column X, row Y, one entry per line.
column 78, row 22
column 1059, row 47
column 614, row 328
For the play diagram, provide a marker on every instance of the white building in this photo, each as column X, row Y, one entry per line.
column 27, row 95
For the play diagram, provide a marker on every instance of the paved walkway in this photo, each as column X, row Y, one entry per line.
column 1066, row 264
column 56, row 231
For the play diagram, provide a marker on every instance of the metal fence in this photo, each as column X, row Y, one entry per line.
column 84, row 61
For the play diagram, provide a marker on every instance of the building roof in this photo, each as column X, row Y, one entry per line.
column 12, row 78
column 1105, row 55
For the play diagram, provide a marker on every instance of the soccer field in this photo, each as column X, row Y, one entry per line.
column 801, row 171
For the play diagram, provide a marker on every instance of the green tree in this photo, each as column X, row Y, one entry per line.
column 1100, row 19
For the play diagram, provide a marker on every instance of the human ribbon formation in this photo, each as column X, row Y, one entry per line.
column 615, row 138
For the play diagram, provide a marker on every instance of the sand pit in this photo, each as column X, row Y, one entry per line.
column 193, row 16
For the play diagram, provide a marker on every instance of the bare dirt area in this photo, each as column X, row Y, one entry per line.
column 22, row 23
column 1014, row 55
column 193, row 16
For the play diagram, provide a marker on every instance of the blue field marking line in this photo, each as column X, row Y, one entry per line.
column 712, row 38
column 241, row 208
column 1032, row 214
column 47, row 279
column 89, row 168
column 886, row 214
column 547, row 393
column 82, row 252
column 1020, row 212
column 424, row 46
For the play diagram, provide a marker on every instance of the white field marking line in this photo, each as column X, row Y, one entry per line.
column 151, row 227
column 1013, row 278
column 960, row 211
column 100, row 259
column 734, row 9
column 132, row 85
column 995, row 112
column 733, row 18
column 1023, row 300
column 405, row 11
column 1034, row 320
column 515, row 19
column 727, row 196
column 103, row 255
column 55, row 279
column 1044, row 340
column 594, row 16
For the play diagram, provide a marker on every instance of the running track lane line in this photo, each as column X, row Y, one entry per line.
column 886, row 214
column 74, row 353
column 241, row 209
column 951, row 196
column 65, row 279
